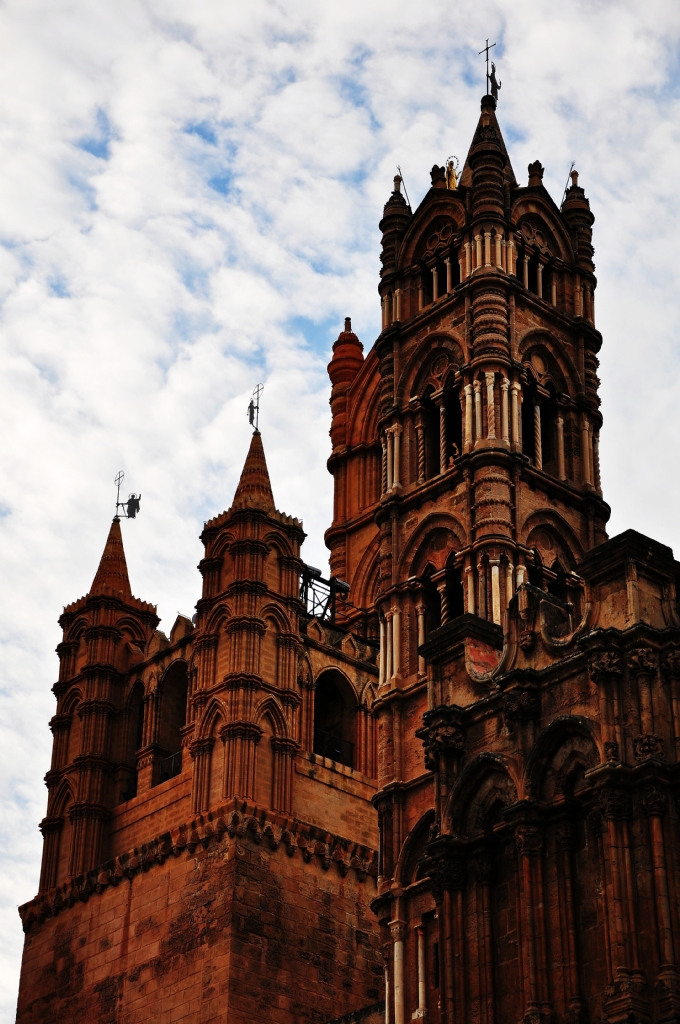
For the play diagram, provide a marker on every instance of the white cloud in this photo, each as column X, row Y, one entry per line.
column 187, row 190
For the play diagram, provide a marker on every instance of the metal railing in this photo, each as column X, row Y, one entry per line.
column 170, row 766
column 320, row 596
column 334, row 748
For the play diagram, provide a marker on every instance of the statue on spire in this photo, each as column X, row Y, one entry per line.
column 493, row 82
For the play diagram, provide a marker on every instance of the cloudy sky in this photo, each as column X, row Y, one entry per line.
column 189, row 200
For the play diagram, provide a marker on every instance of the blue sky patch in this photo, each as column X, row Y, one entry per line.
column 98, row 144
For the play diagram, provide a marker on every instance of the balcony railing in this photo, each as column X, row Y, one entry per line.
column 334, row 748
column 170, row 766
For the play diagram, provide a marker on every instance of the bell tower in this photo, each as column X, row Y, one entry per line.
column 475, row 418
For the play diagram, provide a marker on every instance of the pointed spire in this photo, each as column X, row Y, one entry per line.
column 254, row 488
column 112, row 574
column 487, row 137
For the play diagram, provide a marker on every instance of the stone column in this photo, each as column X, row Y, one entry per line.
column 565, row 834
column 435, row 284
column 469, row 404
column 396, row 475
column 396, row 642
column 479, row 429
column 487, row 248
column 390, row 458
column 539, row 279
column 382, row 673
column 470, row 582
column 642, row 665
column 585, row 450
column 420, row 613
column 478, row 251
column 490, row 406
column 440, row 582
column 510, row 255
column 515, row 389
column 538, row 443
column 468, row 259
column 577, row 295
column 420, row 452
column 420, row 293
column 201, row 753
column 553, row 287
column 495, row 590
column 421, row 1011
column 388, row 646
column 499, row 249
column 383, row 466
column 655, row 803
column 525, row 272
column 561, row 472
column 596, row 462
column 481, row 586
column 449, row 274
column 505, row 427
column 398, row 297
column 509, row 581
column 398, row 929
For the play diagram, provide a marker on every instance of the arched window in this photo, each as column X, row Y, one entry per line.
column 173, row 710
column 133, row 742
column 334, row 718
column 430, row 414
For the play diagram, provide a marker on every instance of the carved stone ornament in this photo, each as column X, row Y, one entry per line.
column 485, row 868
column 521, row 705
column 615, row 804
column 647, row 745
column 441, row 740
column 642, row 660
column 672, row 663
column 527, row 639
column 611, row 751
column 447, row 874
column 529, row 839
column 565, row 834
column 605, row 663
column 654, row 801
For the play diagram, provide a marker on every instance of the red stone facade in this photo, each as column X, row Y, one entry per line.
column 452, row 792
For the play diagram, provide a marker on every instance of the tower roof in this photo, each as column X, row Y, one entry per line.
column 487, row 134
column 254, row 488
column 112, row 574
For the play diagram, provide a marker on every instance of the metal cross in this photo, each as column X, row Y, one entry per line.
column 120, row 476
column 254, row 407
column 486, row 51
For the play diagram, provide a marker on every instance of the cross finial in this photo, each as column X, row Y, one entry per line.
column 486, row 51
column 254, row 407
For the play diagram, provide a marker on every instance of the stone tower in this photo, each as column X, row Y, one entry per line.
column 528, row 707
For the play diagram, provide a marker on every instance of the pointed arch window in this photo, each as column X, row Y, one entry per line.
column 334, row 718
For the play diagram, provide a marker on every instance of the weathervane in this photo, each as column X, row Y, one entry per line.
column 492, row 83
column 131, row 506
column 254, row 407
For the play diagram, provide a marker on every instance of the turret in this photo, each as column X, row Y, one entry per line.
column 347, row 360
column 105, row 634
column 396, row 218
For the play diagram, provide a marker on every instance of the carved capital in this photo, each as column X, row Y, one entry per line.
column 447, row 874
column 647, row 745
column 642, row 661
column 485, row 868
column 654, row 801
column 565, row 834
column 672, row 663
column 529, row 839
column 615, row 804
column 611, row 751
column 201, row 748
column 521, row 705
column 605, row 664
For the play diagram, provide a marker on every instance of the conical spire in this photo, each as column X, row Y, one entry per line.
column 254, row 489
column 488, row 135
column 112, row 574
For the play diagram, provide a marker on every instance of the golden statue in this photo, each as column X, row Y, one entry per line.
column 451, row 168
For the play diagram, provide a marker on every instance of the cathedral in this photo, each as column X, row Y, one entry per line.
column 443, row 783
